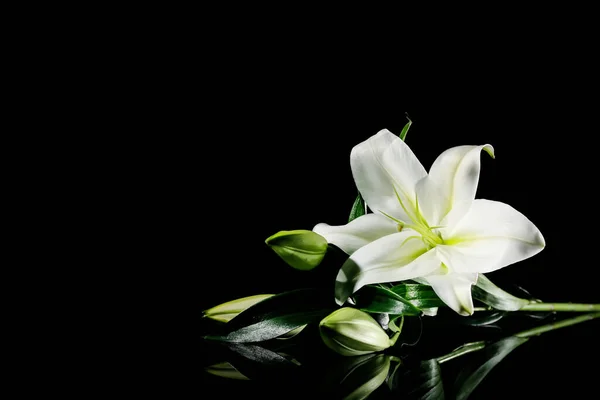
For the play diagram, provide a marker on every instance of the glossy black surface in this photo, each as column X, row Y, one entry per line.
column 288, row 168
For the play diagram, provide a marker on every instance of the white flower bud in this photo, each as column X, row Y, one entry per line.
column 351, row 332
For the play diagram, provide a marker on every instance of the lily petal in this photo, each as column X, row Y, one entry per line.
column 446, row 194
column 357, row 233
column 380, row 164
column 392, row 258
column 454, row 290
column 491, row 236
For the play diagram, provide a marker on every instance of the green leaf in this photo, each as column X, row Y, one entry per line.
column 490, row 294
column 483, row 362
column 375, row 299
column 421, row 382
column 301, row 249
column 393, row 325
column 358, row 208
column 405, row 129
column 420, row 296
column 276, row 316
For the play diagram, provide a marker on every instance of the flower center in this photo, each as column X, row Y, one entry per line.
column 419, row 224
column 429, row 237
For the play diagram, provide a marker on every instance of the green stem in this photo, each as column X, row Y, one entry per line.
column 556, row 325
column 476, row 346
column 561, row 307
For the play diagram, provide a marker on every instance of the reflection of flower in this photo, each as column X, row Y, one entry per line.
column 425, row 226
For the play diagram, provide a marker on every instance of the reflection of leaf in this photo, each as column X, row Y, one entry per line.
column 483, row 362
column 422, row 382
column 483, row 318
column 258, row 363
column 290, row 358
column 277, row 316
column 260, row 354
column 420, row 296
column 375, row 299
column 225, row 370
column 365, row 376
column 358, row 208
column 347, row 364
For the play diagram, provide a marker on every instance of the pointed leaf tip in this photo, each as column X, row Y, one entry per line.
column 404, row 131
column 358, row 208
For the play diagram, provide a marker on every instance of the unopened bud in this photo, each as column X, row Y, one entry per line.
column 351, row 332
column 301, row 249
column 227, row 311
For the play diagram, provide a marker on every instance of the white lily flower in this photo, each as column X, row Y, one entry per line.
column 426, row 226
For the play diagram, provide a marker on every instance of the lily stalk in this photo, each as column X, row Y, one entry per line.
column 498, row 299
column 551, row 307
column 568, row 307
column 476, row 346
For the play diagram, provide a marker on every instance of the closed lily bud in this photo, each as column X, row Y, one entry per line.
column 227, row 311
column 351, row 332
column 301, row 249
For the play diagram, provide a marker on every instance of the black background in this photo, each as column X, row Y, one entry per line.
column 211, row 137
column 280, row 161
column 258, row 140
